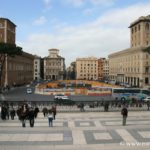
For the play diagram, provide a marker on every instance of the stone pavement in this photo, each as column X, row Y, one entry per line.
column 80, row 130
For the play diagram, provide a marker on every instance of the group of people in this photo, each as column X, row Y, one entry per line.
column 24, row 112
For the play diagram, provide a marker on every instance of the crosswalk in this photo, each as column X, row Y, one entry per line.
column 84, row 129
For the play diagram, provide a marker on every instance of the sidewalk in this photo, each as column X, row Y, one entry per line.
column 82, row 131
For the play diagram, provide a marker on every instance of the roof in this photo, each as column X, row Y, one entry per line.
column 8, row 21
column 140, row 19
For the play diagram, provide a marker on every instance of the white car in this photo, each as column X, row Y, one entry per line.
column 29, row 90
column 60, row 96
column 147, row 99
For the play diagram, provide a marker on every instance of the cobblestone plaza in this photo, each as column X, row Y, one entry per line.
column 78, row 130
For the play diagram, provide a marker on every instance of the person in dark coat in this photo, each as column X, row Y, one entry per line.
column 54, row 111
column 36, row 111
column 12, row 113
column 31, row 117
column 124, row 113
column 3, row 112
column 45, row 111
column 24, row 114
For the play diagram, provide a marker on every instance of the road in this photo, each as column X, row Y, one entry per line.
column 19, row 94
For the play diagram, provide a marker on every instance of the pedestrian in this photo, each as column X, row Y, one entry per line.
column 54, row 111
column 45, row 111
column 50, row 118
column 31, row 117
column 124, row 113
column 36, row 111
column 24, row 114
column 12, row 113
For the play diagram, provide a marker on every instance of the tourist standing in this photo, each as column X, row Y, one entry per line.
column 124, row 113
column 50, row 118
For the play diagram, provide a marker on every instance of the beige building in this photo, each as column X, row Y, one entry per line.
column 132, row 65
column 54, row 66
column 87, row 68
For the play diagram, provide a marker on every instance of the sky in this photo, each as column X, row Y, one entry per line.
column 78, row 28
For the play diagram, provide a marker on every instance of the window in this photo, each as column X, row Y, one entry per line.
column 146, row 81
column 139, row 27
column 146, row 69
column 147, row 26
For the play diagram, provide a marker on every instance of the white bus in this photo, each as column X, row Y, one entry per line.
column 129, row 93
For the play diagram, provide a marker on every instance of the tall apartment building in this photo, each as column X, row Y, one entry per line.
column 87, row 68
column 132, row 65
column 17, row 70
column 37, row 68
column 7, row 31
column 106, row 70
column 54, row 66
column 100, row 68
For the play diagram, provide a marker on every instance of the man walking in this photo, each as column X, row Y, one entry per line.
column 124, row 113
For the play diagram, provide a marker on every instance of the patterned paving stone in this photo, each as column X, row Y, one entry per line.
column 102, row 137
column 84, row 124
column 36, row 138
column 141, row 135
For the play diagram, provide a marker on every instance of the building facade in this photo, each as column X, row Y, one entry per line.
column 106, row 70
column 54, row 66
column 132, row 65
column 7, row 31
column 100, row 69
column 37, row 68
column 18, row 69
column 87, row 68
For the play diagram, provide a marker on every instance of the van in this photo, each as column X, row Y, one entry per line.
column 60, row 96
column 29, row 90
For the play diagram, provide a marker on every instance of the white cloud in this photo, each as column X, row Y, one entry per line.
column 107, row 34
column 48, row 5
column 47, row 2
column 78, row 3
column 40, row 21
column 102, row 2
column 75, row 3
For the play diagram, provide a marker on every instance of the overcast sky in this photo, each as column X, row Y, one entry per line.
column 78, row 28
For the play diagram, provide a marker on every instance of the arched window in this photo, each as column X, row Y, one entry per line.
column 147, row 26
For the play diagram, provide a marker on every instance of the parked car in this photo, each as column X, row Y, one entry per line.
column 147, row 99
column 29, row 90
column 61, row 96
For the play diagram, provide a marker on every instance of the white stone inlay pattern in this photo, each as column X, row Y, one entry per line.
column 144, row 134
column 31, row 137
column 102, row 136
column 84, row 124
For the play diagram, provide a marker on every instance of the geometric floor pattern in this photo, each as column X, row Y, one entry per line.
column 71, row 130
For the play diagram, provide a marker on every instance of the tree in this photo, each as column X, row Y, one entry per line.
column 147, row 49
column 7, row 49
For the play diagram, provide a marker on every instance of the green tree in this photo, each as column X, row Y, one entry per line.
column 7, row 49
column 147, row 49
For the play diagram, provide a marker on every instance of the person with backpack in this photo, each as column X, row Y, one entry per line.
column 124, row 113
